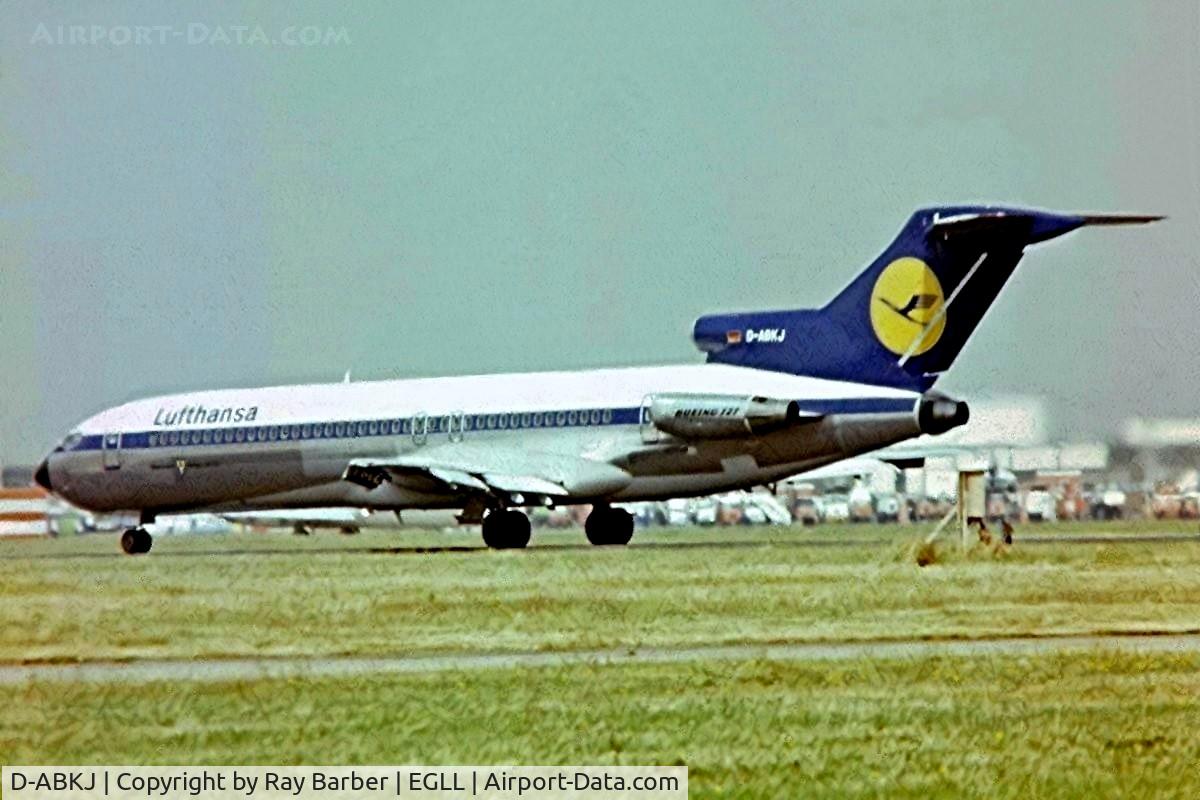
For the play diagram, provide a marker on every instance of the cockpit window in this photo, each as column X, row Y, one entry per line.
column 71, row 441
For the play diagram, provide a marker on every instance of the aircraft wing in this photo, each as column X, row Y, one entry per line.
column 464, row 469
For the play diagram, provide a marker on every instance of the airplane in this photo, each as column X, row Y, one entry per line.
column 781, row 392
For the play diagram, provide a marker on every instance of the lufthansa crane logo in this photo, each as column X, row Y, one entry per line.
column 906, row 305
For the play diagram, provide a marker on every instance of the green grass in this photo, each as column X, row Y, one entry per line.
column 1080, row 723
column 1069, row 725
column 344, row 600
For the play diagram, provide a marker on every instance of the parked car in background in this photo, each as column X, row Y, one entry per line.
column 679, row 512
column 835, row 508
column 1166, row 502
column 862, row 508
column 704, row 511
column 1041, row 505
column 804, row 511
column 887, row 508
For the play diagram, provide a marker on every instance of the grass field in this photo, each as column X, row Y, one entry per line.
column 1066, row 726
column 1070, row 724
column 344, row 599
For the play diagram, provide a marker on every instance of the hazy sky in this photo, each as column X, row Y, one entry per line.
column 473, row 187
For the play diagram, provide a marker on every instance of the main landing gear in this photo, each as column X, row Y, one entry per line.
column 607, row 525
column 136, row 541
column 505, row 529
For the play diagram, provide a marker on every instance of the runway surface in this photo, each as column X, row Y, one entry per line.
column 237, row 669
column 724, row 544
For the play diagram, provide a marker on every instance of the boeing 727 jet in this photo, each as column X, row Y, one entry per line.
column 782, row 392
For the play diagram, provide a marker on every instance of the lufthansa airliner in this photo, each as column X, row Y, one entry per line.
column 782, row 392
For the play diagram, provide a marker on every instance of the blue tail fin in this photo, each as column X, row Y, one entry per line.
column 905, row 318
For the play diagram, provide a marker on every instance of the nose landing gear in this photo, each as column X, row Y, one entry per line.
column 136, row 541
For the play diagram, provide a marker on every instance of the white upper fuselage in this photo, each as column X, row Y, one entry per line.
column 515, row 392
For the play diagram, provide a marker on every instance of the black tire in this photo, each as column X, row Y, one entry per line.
column 609, row 526
column 506, row 530
column 136, row 541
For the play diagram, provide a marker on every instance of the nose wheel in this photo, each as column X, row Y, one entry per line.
column 136, row 541
column 506, row 530
column 607, row 525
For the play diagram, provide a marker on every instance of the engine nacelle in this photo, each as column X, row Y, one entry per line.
column 715, row 416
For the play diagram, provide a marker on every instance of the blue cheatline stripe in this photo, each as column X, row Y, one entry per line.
column 436, row 424
column 860, row 405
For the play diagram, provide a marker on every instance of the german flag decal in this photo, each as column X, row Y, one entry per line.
column 733, row 337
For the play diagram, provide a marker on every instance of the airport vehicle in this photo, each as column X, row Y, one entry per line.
column 834, row 507
column 1111, row 503
column 860, row 503
column 678, row 512
column 1040, row 505
column 781, row 392
column 887, row 508
column 704, row 511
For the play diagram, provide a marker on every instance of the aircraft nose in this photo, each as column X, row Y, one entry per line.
column 42, row 476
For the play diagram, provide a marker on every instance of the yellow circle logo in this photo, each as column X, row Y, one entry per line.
column 906, row 305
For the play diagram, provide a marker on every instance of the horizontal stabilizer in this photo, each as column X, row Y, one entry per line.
column 1120, row 219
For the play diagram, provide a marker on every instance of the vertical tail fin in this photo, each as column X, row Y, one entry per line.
column 904, row 319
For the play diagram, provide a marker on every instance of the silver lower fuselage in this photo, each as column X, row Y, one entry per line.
column 309, row 473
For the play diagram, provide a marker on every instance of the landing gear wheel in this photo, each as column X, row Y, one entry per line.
column 136, row 541
column 506, row 530
column 609, row 526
